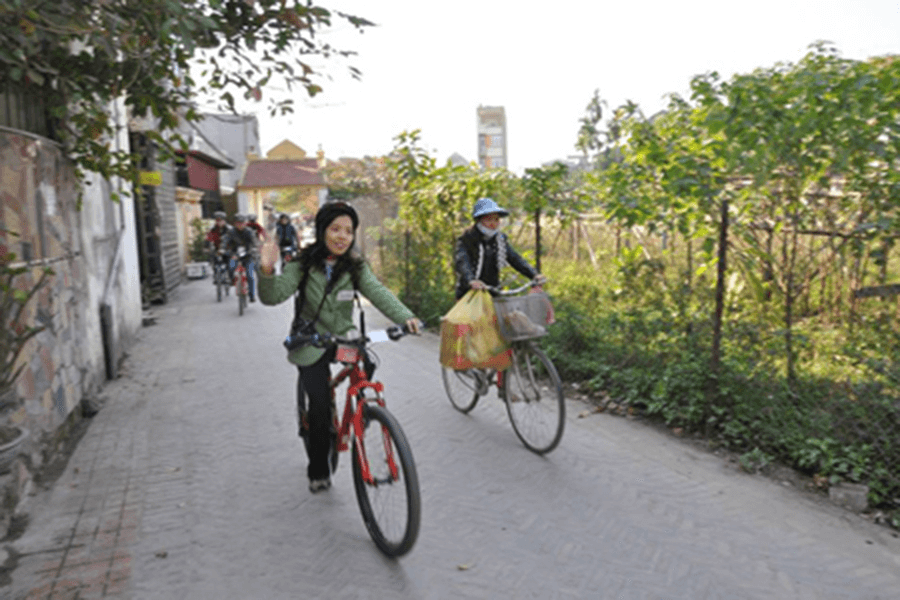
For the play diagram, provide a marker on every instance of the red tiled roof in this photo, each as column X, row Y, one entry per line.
column 282, row 173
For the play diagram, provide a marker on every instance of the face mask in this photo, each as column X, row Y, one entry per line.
column 486, row 231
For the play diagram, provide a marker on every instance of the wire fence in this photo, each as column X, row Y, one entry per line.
column 645, row 344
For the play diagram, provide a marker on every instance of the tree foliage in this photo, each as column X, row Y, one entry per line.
column 806, row 155
column 435, row 206
column 82, row 56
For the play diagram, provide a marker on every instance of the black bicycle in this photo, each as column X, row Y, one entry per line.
column 530, row 387
column 220, row 276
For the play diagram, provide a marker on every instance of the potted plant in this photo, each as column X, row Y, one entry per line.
column 14, row 335
column 197, row 269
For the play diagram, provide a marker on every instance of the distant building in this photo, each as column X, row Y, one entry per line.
column 198, row 168
column 287, row 180
column 457, row 160
column 492, row 137
column 236, row 136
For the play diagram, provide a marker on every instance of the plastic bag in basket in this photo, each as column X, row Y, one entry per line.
column 470, row 336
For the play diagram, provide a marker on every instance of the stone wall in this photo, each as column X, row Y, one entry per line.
column 91, row 248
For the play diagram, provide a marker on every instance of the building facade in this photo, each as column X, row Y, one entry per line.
column 235, row 136
column 492, row 146
column 287, row 180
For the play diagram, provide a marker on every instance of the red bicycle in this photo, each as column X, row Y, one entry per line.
column 384, row 472
column 241, row 283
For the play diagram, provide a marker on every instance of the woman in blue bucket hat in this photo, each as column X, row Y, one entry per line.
column 483, row 250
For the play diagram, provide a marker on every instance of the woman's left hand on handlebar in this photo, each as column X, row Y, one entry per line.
column 539, row 279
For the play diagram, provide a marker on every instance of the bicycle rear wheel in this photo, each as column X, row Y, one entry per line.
column 390, row 503
column 462, row 388
column 219, row 284
column 241, row 289
column 534, row 398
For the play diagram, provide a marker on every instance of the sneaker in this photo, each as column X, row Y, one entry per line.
column 252, row 298
column 319, row 485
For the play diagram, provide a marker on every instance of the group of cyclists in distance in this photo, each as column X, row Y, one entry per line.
column 224, row 240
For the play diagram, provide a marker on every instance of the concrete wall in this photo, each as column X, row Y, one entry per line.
column 93, row 253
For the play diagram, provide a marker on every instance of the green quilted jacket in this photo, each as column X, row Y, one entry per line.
column 336, row 316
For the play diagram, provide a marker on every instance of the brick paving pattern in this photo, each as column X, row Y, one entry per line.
column 190, row 484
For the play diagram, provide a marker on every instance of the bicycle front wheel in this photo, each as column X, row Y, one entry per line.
column 462, row 387
column 389, row 500
column 534, row 398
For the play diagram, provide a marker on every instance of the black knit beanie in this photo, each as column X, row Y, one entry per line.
column 329, row 212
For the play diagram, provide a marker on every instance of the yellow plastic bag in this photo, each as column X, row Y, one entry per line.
column 470, row 336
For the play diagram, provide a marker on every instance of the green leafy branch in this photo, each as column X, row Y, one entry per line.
column 78, row 58
column 14, row 334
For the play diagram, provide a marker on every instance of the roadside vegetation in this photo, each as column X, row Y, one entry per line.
column 725, row 267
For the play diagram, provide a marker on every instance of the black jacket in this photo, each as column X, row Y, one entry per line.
column 465, row 259
column 239, row 237
column 286, row 234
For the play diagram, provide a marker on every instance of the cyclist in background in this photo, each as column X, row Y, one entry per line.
column 256, row 227
column 285, row 232
column 482, row 251
column 216, row 234
column 241, row 235
column 214, row 238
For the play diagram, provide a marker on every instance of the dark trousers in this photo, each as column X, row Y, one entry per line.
column 313, row 383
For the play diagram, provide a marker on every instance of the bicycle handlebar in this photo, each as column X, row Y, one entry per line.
column 501, row 292
column 324, row 340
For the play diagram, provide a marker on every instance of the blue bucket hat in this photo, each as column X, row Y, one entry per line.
column 486, row 206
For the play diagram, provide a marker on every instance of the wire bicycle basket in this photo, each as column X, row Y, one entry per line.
column 523, row 317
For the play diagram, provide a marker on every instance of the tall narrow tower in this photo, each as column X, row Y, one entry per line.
column 492, row 137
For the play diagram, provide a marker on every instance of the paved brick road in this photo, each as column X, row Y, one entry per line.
column 190, row 485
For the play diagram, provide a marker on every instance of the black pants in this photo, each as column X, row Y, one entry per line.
column 313, row 383
column 315, row 411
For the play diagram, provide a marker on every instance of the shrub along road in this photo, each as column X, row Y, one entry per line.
column 190, row 483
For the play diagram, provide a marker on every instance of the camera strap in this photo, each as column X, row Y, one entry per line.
column 300, row 298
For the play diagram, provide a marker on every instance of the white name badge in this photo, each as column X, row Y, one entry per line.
column 345, row 296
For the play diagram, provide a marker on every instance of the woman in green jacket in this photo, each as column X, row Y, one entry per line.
column 325, row 274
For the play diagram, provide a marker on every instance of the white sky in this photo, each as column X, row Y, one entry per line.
column 428, row 65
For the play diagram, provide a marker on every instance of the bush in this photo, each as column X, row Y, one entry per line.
column 198, row 241
column 840, row 422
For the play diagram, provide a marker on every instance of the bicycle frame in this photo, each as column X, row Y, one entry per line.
column 351, row 419
column 243, row 283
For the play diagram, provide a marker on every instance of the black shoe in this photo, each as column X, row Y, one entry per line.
column 252, row 298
